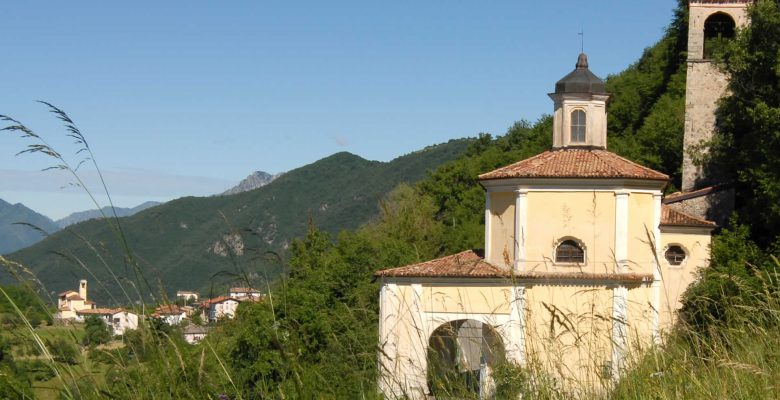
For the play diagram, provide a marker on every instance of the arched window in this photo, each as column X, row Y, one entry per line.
column 569, row 251
column 578, row 126
column 675, row 255
column 718, row 31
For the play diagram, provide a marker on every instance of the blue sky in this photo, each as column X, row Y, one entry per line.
column 187, row 98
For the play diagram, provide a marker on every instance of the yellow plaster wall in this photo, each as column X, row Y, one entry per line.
column 588, row 216
column 502, row 227
column 574, row 341
column 677, row 278
column 466, row 299
column 640, row 222
column 640, row 319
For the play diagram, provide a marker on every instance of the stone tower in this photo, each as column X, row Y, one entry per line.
column 704, row 193
column 709, row 21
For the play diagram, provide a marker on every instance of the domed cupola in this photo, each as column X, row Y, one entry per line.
column 580, row 118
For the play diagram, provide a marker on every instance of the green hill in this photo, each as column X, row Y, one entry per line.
column 182, row 244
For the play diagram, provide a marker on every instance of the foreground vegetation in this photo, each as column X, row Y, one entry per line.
column 316, row 336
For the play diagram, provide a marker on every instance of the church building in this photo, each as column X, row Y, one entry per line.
column 583, row 267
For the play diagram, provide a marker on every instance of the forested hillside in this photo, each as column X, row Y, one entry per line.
column 184, row 243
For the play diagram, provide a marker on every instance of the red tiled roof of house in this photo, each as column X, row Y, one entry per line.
column 66, row 293
column 219, row 299
column 672, row 217
column 73, row 296
column 168, row 309
column 243, row 290
column 575, row 163
column 470, row 264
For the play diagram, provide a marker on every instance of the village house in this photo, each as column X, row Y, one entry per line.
column 187, row 296
column 118, row 320
column 245, row 293
column 69, row 302
column 219, row 307
column 582, row 266
column 171, row 314
column 194, row 333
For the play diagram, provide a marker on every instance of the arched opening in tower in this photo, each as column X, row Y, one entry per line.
column 719, row 30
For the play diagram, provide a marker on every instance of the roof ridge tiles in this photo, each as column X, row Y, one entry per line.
column 575, row 162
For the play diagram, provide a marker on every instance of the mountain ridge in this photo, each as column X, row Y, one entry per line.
column 14, row 234
column 80, row 216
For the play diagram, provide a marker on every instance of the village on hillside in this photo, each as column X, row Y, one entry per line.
column 195, row 316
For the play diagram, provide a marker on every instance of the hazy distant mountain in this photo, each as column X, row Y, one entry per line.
column 91, row 214
column 253, row 181
column 14, row 236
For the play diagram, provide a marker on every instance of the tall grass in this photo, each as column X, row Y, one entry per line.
column 155, row 362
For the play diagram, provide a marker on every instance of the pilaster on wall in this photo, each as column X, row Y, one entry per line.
column 619, row 329
column 521, row 225
column 657, row 277
column 515, row 349
column 417, row 378
column 388, row 341
column 621, row 230
column 488, row 226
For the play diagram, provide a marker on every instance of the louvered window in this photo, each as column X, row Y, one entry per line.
column 569, row 251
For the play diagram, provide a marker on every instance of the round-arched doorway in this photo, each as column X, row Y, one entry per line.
column 461, row 357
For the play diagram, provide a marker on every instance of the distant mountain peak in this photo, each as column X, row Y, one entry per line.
column 255, row 180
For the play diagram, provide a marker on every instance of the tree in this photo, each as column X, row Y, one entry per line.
column 748, row 143
column 95, row 332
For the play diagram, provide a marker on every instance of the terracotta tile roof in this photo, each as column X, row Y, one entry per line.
column 575, row 163
column 672, row 217
column 168, row 309
column 243, row 290
column 73, row 296
column 470, row 264
column 66, row 293
column 680, row 196
column 193, row 329
column 219, row 299
column 464, row 264
column 100, row 311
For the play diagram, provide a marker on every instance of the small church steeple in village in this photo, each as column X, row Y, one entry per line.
column 580, row 118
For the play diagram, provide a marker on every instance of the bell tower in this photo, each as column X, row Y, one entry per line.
column 83, row 289
column 580, row 116
column 710, row 24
